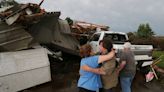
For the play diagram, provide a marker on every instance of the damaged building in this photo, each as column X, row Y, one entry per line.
column 25, row 25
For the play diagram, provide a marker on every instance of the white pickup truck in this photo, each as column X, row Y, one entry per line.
column 143, row 53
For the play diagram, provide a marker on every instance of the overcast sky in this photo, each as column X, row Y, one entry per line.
column 120, row 15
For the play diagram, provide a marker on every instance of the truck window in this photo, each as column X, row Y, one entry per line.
column 95, row 37
column 116, row 38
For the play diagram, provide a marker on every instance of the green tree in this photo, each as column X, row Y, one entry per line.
column 144, row 35
column 144, row 31
column 149, row 30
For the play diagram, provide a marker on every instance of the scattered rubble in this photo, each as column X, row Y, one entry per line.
column 27, row 27
column 24, row 26
column 45, row 28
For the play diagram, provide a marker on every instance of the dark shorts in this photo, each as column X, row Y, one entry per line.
column 85, row 90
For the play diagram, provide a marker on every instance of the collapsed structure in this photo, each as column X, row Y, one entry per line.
column 24, row 25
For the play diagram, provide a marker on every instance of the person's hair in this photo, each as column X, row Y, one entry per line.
column 107, row 43
column 85, row 50
column 127, row 45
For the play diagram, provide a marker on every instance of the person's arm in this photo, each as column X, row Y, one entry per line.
column 158, row 69
column 94, row 70
column 121, row 66
column 106, row 57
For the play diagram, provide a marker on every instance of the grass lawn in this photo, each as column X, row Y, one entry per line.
column 157, row 54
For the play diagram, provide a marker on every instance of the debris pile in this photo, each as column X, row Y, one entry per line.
column 22, row 13
column 45, row 28
column 82, row 27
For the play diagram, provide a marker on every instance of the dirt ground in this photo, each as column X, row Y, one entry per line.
column 65, row 75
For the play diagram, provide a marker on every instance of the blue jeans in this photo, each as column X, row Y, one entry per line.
column 126, row 83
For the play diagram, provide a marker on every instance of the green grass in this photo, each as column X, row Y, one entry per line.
column 157, row 54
